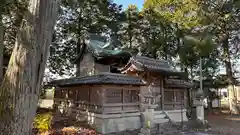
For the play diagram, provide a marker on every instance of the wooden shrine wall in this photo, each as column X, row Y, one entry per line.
column 79, row 98
column 175, row 98
column 99, row 98
column 169, row 99
column 121, row 99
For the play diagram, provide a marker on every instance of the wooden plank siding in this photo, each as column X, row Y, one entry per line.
column 101, row 99
column 175, row 99
column 121, row 99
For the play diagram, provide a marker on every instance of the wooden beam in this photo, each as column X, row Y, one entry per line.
column 103, row 96
column 124, row 87
column 122, row 94
column 174, row 98
column 89, row 96
column 121, row 104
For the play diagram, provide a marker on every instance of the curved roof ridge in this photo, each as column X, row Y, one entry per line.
column 138, row 57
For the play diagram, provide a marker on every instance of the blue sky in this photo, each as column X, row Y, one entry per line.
column 125, row 3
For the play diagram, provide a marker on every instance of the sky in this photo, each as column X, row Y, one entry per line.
column 125, row 3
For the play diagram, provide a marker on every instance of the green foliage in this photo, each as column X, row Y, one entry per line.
column 195, row 38
column 237, row 3
column 166, row 29
column 184, row 13
column 42, row 122
column 77, row 19
column 130, row 28
column 12, row 17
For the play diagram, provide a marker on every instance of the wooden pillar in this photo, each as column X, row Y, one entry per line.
column 185, row 98
column 162, row 92
column 56, row 103
column 122, row 93
column 219, row 99
column 103, row 96
column 89, row 98
column 103, row 99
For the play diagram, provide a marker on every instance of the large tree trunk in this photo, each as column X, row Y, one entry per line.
column 1, row 48
column 1, row 41
column 22, row 83
column 228, row 65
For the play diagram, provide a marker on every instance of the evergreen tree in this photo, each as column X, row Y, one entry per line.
column 224, row 16
column 77, row 19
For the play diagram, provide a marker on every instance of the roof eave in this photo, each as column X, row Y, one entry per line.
column 99, row 83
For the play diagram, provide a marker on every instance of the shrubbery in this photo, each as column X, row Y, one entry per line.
column 42, row 122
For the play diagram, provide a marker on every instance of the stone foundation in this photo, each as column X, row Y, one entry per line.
column 176, row 115
column 115, row 123
column 112, row 123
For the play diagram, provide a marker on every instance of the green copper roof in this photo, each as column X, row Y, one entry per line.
column 101, row 47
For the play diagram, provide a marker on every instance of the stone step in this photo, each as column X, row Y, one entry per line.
column 168, row 129
column 159, row 116
column 145, row 131
column 160, row 121
column 158, row 112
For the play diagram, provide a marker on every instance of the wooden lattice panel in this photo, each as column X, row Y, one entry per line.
column 179, row 96
column 174, row 99
column 113, row 96
column 57, row 93
column 83, row 94
column 127, row 96
column 76, row 96
column 131, row 108
column 71, row 94
column 169, row 106
column 64, row 94
column 130, row 96
column 114, row 109
column 95, row 95
column 178, row 105
column 168, row 96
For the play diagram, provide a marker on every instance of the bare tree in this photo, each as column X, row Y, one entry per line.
column 19, row 92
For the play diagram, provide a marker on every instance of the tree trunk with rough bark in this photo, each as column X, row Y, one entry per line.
column 21, row 86
column 228, row 65
column 1, row 41
column 1, row 48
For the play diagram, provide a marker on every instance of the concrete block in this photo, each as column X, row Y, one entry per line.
column 112, row 125
column 177, row 116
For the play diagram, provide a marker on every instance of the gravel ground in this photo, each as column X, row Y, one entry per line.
column 221, row 124
column 225, row 124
